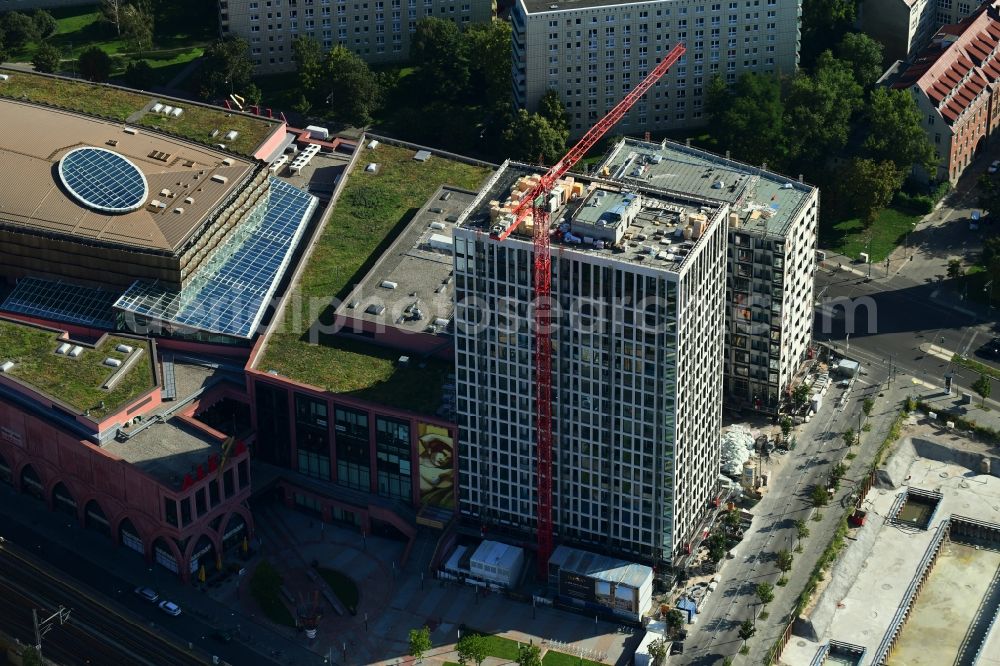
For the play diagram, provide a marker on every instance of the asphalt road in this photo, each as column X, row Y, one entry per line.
column 819, row 447
column 94, row 633
column 892, row 319
column 106, row 590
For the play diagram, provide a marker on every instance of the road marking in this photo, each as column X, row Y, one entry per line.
column 939, row 352
column 922, row 383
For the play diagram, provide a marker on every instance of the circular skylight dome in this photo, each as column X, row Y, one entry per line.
column 103, row 180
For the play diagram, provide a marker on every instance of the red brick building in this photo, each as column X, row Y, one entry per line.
column 954, row 83
column 167, row 487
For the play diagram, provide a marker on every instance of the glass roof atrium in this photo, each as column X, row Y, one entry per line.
column 103, row 180
column 61, row 301
column 230, row 293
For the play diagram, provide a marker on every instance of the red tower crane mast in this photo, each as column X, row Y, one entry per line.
column 536, row 202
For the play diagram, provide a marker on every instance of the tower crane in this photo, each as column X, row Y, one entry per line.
column 535, row 202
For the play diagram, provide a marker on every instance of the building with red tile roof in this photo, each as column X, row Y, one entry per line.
column 954, row 83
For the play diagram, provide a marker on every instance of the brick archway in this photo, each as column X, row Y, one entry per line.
column 224, row 526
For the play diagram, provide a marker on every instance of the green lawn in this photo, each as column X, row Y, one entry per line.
column 849, row 237
column 560, row 659
column 345, row 588
column 498, row 646
column 265, row 588
column 372, row 209
column 181, row 30
column 75, row 381
column 195, row 124
column 976, row 366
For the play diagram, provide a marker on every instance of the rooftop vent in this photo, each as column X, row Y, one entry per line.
column 188, row 200
column 112, row 363
column 157, row 108
column 214, row 133
column 178, row 210
column 231, row 134
column 375, row 309
column 124, row 349
column 228, row 161
column 131, row 130
column 76, row 351
column 389, row 284
column 6, row 366
column 4, row 77
column 219, row 179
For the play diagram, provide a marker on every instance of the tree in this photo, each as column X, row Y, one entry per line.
column 801, row 532
column 95, row 64
column 472, row 648
column 819, row 496
column 46, row 58
column 800, row 394
column 137, row 25
column 111, row 12
column 138, row 73
column 955, row 270
column 716, row 544
column 353, row 92
column 674, row 620
column 982, row 386
column 765, row 592
column 785, row 559
column 896, row 132
column 529, row 655
column 747, row 630
column 530, row 135
column 226, row 68
column 849, row 437
column 869, row 186
column 489, row 50
column 865, row 56
column 309, row 65
column 819, row 108
column 551, row 108
column 657, row 652
column 18, row 30
column 867, row 406
column 989, row 194
column 748, row 120
column 823, row 24
column 732, row 519
column 991, row 256
column 45, row 24
column 786, row 427
column 420, row 642
column 437, row 48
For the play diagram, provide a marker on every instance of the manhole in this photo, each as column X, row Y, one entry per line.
column 874, row 614
column 943, row 475
column 801, row 643
column 886, row 586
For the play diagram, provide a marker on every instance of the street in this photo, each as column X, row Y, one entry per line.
column 819, row 447
column 884, row 323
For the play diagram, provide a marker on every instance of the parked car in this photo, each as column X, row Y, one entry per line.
column 170, row 608
column 147, row 593
column 990, row 350
column 994, row 166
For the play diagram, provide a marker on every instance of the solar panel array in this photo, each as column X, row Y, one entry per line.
column 63, row 302
column 229, row 296
column 103, row 180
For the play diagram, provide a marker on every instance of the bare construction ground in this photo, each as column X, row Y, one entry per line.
column 946, row 606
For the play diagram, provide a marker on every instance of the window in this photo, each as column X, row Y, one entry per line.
column 170, row 511
column 213, row 493
column 199, row 502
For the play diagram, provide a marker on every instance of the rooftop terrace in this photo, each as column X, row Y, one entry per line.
column 653, row 231
column 373, row 209
column 77, row 382
column 196, row 123
column 671, row 166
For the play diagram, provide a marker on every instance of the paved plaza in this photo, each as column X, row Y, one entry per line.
column 395, row 599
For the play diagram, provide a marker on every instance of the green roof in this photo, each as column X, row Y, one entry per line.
column 372, row 209
column 76, row 382
column 195, row 124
